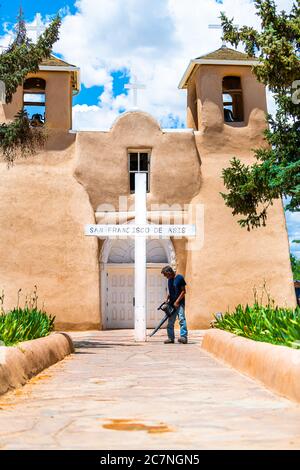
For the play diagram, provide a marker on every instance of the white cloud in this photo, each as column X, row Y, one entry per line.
column 154, row 40
column 6, row 39
column 93, row 117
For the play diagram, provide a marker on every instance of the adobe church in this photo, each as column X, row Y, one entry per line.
column 79, row 178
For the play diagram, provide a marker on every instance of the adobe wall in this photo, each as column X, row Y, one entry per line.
column 232, row 260
column 102, row 167
column 206, row 87
column 43, row 210
column 46, row 200
column 102, row 162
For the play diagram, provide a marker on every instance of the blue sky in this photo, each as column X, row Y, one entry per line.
column 8, row 13
column 90, row 96
column 9, row 8
column 112, row 40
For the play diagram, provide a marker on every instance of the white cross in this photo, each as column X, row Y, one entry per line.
column 38, row 27
column 140, row 231
column 135, row 86
column 218, row 26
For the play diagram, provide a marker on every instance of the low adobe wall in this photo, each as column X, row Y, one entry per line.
column 277, row 367
column 20, row 363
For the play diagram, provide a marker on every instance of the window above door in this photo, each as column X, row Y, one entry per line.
column 138, row 162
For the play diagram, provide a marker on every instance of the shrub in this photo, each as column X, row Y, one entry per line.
column 270, row 324
column 23, row 324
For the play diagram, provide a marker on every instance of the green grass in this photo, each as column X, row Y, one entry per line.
column 263, row 323
column 23, row 324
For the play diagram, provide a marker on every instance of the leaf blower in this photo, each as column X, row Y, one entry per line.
column 169, row 309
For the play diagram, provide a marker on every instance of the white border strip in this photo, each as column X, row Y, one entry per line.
column 58, row 68
column 186, row 76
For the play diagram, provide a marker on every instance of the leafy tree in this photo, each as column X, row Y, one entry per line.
column 21, row 58
column 276, row 171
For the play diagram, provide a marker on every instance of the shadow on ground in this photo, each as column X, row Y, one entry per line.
column 96, row 344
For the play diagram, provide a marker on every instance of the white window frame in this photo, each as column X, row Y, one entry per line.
column 139, row 151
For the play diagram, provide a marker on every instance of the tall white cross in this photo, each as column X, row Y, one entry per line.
column 140, row 260
column 38, row 27
column 140, row 231
column 135, row 86
column 218, row 26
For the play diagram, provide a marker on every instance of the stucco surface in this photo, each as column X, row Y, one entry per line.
column 43, row 210
column 58, row 96
column 21, row 362
column 102, row 162
column 277, row 367
column 46, row 200
column 232, row 261
column 204, row 100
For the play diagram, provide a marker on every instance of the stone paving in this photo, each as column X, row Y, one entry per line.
column 116, row 394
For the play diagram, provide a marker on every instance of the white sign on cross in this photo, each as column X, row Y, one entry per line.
column 38, row 27
column 135, row 86
column 140, row 231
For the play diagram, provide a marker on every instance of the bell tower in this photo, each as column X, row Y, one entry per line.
column 223, row 91
column 46, row 95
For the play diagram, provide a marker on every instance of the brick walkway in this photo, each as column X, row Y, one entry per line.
column 115, row 394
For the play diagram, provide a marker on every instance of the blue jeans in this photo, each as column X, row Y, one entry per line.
column 182, row 323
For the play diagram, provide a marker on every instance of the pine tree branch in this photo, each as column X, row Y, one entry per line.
column 25, row 58
column 276, row 172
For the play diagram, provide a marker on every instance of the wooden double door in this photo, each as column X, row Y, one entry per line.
column 119, row 295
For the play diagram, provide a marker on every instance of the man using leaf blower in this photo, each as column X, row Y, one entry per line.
column 176, row 297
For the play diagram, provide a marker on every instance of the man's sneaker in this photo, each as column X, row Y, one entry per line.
column 169, row 341
column 182, row 340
